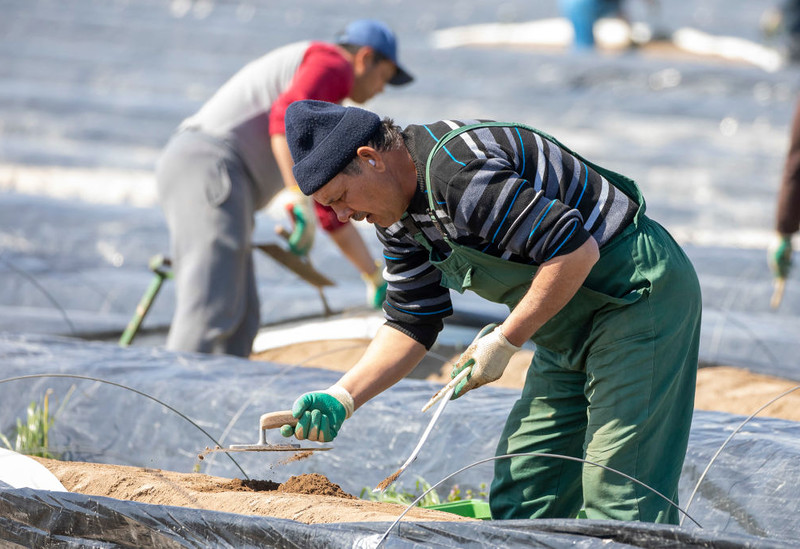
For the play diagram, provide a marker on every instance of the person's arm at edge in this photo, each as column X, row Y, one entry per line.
column 283, row 157
column 555, row 283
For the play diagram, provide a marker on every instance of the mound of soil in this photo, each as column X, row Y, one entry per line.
column 310, row 498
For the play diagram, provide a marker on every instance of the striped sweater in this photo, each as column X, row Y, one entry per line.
column 503, row 191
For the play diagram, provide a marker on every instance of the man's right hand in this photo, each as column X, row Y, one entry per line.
column 320, row 414
column 779, row 255
column 301, row 212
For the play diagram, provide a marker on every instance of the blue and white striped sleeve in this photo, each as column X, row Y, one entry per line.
column 416, row 303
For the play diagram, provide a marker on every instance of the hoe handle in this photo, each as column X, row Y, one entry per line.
column 274, row 420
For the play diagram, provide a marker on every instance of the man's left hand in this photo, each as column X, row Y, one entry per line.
column 488, row 354
column 376, row 288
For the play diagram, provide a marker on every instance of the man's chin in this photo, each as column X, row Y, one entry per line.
column 379, row 223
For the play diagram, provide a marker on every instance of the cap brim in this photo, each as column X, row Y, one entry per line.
column 401, row 77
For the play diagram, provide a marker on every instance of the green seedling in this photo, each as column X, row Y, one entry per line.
column 33, row 436
column 396, row 493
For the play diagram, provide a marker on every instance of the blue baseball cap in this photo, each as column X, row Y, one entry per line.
column 376, row 35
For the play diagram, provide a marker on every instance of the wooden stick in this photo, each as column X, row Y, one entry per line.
column 453, row 382
column 777, row 294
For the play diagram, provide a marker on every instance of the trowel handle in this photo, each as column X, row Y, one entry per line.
column 274, row 420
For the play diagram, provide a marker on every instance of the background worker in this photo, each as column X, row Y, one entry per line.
column 583, row 14
column 610, row 300
column 787, row 215
column 231, row 158
column 782, row 21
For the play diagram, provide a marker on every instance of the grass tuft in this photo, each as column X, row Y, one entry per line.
column 33, row 436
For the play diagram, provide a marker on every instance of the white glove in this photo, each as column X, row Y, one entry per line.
column 488, row 354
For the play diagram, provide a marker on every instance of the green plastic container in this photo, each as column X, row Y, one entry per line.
column 474, row 508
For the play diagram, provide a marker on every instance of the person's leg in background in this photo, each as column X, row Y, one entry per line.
column 206, row 199
column 583, row 14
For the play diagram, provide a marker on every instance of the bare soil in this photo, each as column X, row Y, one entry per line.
column 722, row 388
column 315, row 499
column 310, row 498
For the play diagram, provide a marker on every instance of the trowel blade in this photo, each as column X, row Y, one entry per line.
column 272, row 448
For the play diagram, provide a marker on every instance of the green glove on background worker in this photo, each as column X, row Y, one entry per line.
column 303, row 219
column 779, row 255
column 376, row 287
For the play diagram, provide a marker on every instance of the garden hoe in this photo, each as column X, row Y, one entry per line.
column 444, row 395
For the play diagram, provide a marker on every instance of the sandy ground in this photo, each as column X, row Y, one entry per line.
column 313, row 498
column 310, row 498
column 721, row 388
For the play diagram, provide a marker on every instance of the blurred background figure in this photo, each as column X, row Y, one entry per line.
column 783, row 21
column 583, row 14
column 231, row 158
column 787, row 217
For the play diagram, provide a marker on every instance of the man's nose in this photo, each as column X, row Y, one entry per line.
column 343, row 214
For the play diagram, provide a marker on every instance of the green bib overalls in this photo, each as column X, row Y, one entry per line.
column 612, row 379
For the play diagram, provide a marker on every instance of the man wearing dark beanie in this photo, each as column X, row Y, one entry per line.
column 230, row 159
column 610, row 301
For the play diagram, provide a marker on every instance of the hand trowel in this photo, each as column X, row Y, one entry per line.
column 273, row 420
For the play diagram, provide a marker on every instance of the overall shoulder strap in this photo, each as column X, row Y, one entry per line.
column 444, row 140
column 625, row 184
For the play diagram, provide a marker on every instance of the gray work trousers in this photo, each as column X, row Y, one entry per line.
column 207, row 198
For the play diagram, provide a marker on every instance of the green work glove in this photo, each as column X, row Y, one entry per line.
column 301, row 212
column 488, row 354
column 320, row 414
column 779, row 255
column 376, row 287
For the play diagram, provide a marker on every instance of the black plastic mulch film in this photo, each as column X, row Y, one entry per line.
column 748, row 498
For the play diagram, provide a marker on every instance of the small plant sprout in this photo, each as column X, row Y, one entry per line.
column 33, row 436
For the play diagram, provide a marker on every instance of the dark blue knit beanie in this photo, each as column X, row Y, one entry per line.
column 323, row 138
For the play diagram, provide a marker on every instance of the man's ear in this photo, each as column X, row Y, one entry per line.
column 371, row 156
column 364, row 58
